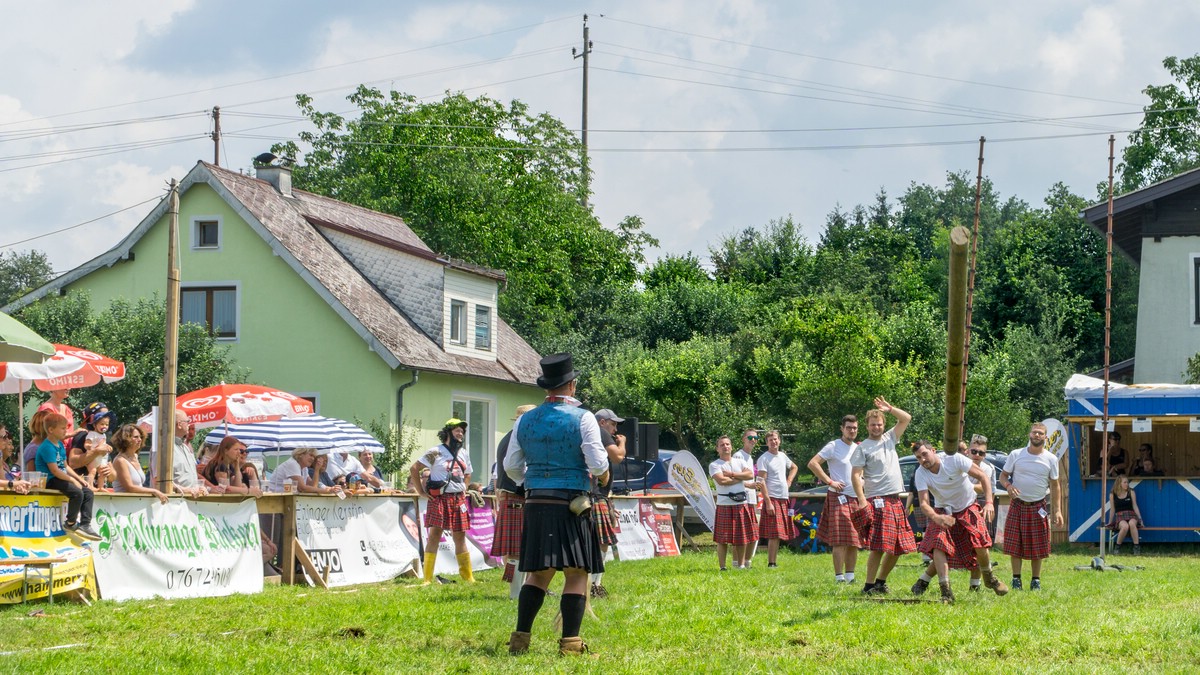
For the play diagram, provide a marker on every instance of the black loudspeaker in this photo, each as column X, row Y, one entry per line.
column 629, row 429
column 648, row 441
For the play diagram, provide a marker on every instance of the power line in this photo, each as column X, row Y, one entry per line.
column 27, row 134
column 109, row 152
column 77, row 225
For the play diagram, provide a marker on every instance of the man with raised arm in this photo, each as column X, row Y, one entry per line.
column 877, row 485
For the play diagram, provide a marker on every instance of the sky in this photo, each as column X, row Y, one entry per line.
column 704, row 118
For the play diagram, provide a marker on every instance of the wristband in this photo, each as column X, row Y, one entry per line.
column 10, row 484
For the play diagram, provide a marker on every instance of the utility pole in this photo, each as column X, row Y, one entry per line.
column 587, row 49
column 216, row 135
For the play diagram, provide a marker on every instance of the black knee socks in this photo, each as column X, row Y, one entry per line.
column 572, row 607
column 529, row 603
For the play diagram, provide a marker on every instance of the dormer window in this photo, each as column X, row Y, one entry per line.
column 206, row 233
column 458, row 322
column 483, row 327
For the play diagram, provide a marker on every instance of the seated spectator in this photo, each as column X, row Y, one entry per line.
column 37, row 434
column 319, row 481
column 224, row 471
column 292, row 471
column 89, row 451
column 250, row 477
column 1117, row 461
column 207, row 452
column 1126, row 517
column 370, row 472
column 356, row 474
column 127, row 465
column 11, row 475
column 1147, row 469
column 57, row 403
column 51, row 459
column 1144, row 450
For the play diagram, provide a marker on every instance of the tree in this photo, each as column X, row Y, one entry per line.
column 1167, row 142
column 21, row 272
column 133, row 332
column 478, row 180
column 1192, row 374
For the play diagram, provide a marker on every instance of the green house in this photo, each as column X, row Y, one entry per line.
column 329, row 301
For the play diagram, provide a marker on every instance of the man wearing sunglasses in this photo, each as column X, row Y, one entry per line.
column 746, row 454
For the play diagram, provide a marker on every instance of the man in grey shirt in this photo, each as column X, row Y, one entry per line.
column 878, row 483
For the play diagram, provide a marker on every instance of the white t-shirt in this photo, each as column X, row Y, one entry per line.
column 751, row 491
column 445, row 468
column 951, row 486
column 881, row 465
column 774, row 468
column 1031, row 474
column 987, row 466
column 836, row 454
column 289, row 471
column 734, row 465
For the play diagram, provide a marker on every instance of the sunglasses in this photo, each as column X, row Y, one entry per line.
column 752, row 438
column 244, row 451
column 979, row 453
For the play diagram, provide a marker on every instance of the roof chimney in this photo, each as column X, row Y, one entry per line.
column 279, row 176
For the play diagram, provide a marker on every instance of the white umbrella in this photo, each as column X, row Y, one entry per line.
column 324, row 434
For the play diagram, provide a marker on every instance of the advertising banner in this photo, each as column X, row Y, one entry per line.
column 181, row 549
column 479, row 537
column 358, row 538
column 658, row 524
column 31, row 527
column 686, row 475
column 633, row 539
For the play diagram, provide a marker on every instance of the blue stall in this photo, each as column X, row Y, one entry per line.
column 1167, row 417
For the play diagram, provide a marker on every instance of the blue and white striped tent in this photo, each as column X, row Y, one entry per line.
column 303, row 431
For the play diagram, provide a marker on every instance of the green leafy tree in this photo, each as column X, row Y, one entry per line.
column 1168, row 140
column 21, row 272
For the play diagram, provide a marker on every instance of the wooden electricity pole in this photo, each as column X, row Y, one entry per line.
column 216, row 135
column 583, row 136
column 165, row 433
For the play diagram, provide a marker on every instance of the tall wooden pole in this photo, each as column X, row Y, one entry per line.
column 1107, row 340
column 583, row 136
column 216, row 135
column 165, row 461
column 971, row 288
column 956, row 324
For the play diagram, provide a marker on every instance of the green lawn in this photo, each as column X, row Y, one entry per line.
column 666, row 615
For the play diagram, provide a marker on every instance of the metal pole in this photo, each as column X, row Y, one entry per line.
column 971, row 289
column 165, row 461
column 955, row 329
column 583, row 136
column 1107, row 341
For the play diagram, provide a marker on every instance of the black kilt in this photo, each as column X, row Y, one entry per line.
column 555, row 538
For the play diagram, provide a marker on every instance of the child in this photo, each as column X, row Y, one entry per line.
column 51, row 459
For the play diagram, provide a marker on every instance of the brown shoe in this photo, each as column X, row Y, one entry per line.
column 518, row 642
column 947, row 594
column 993, row 583
column 572, row 645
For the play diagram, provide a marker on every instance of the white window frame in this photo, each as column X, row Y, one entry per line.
column 195, row 236
column 461, row 340
column 237, row 303
column 490, row 323
column 1194, row 273
column 480, row 473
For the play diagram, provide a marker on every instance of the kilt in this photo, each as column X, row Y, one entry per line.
column 605, row 519
column 555, row 538
column 1123, row 516
column 890, row 531
column 960, row 540
column 735, row 525
column 1026, row 533
column 836, row 527
column 777, row 525
column 448, row 512
column 510, row 522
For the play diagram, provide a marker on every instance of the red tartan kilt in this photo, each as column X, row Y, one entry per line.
column 1026, row 533
column 778, row 524
column 605, row 521
column 861, row 520
column 735, row 525
column 510, row 523
column 958, row 542
column 890, row 531
column 447, row 512
column 836, row 527
column 1123, row 516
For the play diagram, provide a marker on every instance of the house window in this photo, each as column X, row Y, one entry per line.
column 477, row 413
column 215, row 308
column 458, row 324
column 206, row 233
column 483, row 327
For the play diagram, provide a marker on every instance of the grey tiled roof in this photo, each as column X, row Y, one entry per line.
column 290, row 221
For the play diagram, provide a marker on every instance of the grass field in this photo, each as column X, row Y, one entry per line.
column 676, row 615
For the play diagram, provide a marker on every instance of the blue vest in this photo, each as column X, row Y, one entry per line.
column 550, row 437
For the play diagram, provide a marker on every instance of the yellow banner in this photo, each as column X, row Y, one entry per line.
column 31, row 529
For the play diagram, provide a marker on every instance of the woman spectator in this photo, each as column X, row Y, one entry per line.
column 11, row 477
column 293, row 470
column 127, row 465
column 88, row 454
column 319, row 481
column 224, row 471
column 57, row 403
column 1117, row 462
column 1127, row 517
column 37, row 434
column 371, row 472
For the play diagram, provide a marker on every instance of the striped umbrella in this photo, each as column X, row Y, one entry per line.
column 302, row 431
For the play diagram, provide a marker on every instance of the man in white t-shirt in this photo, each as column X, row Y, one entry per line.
column 1030, row 473
column 775, row 473
column 877, row 485
column 836, row 528
column 957, row 534
column 746, row 454
column 735, row 525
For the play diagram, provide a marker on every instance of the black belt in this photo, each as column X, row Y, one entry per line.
column 564, row 495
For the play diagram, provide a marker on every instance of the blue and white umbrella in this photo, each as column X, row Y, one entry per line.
column 304, row 431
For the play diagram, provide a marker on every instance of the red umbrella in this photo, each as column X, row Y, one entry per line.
column 240, row 404
column 69, row 368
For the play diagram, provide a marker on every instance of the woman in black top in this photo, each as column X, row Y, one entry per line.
column 1127, row 518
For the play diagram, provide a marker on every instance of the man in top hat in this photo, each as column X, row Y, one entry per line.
column 510, row 514
column 603, row 514
column 555, row 452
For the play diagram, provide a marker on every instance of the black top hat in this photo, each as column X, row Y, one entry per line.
column 557, row 370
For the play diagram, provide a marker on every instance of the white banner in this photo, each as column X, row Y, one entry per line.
column 479, row 538
column 633, row 541
column 1056, row 437
column 181, row 549
column 357, row 538
column 686, row 475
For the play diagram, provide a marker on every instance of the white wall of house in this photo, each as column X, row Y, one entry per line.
column 1167, row 331
column 468, row 298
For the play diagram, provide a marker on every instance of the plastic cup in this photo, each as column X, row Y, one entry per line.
column 223, row 481
column 34, row 478
column 289, row 487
